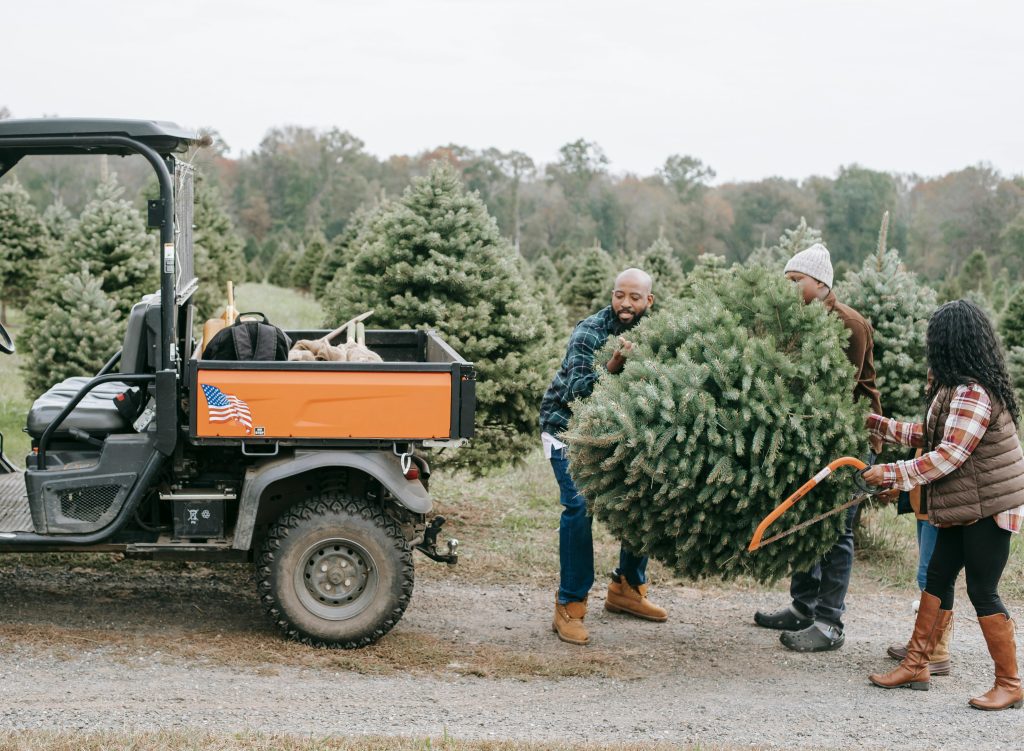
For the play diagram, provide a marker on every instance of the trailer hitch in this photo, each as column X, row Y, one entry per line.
column 429, row 545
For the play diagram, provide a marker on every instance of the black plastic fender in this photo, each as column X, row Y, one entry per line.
column 385, row 467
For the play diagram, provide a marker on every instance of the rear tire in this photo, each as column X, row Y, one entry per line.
column 335, row 571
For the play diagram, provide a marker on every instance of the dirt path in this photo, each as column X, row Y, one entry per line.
column 141, row 646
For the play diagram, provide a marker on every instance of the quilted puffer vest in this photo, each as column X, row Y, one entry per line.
column 992, row 478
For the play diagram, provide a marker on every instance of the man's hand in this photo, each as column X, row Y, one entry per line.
column 618, row 361
column 874, row 475
column 888, row 496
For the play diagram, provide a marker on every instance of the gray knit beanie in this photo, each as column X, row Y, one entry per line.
column 814, row 262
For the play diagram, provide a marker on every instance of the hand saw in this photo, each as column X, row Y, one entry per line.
column 867, row 491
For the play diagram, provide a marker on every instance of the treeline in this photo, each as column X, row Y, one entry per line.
column 301, row 184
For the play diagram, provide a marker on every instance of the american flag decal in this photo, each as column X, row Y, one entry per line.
column 225, row 408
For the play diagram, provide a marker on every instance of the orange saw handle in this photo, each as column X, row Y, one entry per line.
column 845, row 461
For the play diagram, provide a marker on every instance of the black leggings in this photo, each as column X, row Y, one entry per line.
column 983, row 549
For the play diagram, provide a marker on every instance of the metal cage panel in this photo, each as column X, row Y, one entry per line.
column 185, row 282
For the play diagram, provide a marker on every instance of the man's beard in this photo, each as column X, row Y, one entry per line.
column 621, row 327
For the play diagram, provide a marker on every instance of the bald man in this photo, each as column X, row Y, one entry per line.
column 627, row 593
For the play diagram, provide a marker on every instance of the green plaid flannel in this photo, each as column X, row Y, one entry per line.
column 576, row 376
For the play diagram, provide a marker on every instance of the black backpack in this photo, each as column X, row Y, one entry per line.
column 249, row 340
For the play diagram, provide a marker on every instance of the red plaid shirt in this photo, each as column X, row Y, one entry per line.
column 969, row 415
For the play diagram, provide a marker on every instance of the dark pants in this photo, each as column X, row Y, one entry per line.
column 576, row 541
column 982, row 549
column 821, row 592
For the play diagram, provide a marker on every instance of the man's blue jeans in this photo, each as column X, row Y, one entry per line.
column 821, row 592
column 576, row 541
column 927, row 534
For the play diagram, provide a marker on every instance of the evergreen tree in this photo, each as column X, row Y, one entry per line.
column 75, row 332
column 282, row 267
column 1015, row 366
column 792, row 242
column 435, row 259
column 731, row 401
column 709, row 270
column 1011, row 325
column 982, row 301
column 309, row 261
column 339, row 252
column 950, row 289
column 113, row 242
column 1002, row 290
column 59, row 222
column 545, row 282
column 589, row 286
column 661, row 263
column 217, row 247
column 1011, row 241
column 976, row 275
column 24, row 247
column 898, row 306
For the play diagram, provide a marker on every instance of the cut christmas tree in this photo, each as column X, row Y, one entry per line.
column 731, row 401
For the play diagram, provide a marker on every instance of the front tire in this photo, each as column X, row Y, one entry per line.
column 335, row 571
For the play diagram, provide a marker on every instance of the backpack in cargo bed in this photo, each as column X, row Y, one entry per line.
column 249, row 340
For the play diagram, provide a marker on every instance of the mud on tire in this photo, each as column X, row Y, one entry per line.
column 335, row 571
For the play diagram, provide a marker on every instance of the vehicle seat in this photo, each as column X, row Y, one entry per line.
column 96, row 413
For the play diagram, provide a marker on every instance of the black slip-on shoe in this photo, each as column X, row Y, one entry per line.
column 782, row 620
column 811, row 639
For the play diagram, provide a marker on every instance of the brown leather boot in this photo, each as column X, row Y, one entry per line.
column 913, row 671
column 568, row 623
column 624, row 598
column 939, row 662
column 1002, row 645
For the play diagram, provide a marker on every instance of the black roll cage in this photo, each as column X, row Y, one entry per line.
column 155, row 142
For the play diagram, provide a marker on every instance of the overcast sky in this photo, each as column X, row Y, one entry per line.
column 773, row 87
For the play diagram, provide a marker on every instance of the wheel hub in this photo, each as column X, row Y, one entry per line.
column 338, row 579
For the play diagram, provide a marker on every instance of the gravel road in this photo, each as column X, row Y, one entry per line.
column 708, row 675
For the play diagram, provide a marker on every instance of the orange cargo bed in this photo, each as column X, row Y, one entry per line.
column 422, row 391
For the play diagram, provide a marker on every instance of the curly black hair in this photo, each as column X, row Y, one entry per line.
column 962, row 347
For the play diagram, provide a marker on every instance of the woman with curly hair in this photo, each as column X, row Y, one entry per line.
column 974, row 467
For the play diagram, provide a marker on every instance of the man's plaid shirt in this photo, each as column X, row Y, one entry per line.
column 969, row 413
column 576, row 376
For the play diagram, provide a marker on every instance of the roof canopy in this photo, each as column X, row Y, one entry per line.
column 57, row 135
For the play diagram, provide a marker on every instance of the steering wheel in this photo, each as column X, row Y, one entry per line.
column 6, row 341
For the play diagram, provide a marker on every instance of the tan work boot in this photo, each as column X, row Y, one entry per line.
column 928, row 628
column 939, row 662
column 1002, row 645
column 568, row 623
column 624, row 598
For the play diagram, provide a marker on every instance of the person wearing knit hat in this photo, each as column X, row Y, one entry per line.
column 813, row 620
column 814, row 262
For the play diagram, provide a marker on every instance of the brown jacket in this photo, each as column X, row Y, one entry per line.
column 992, row 478
column 858, row 351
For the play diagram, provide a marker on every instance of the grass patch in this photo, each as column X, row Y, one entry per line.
column 36, row 740
column 287, row 308
column 887, row 544
column 14, row 403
